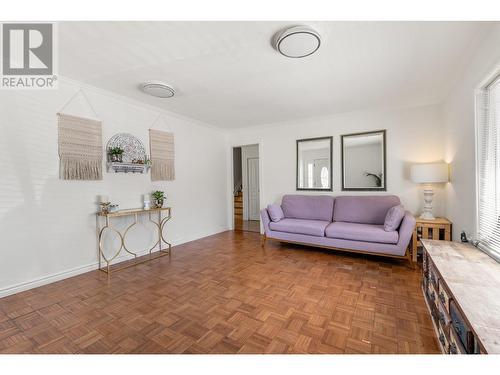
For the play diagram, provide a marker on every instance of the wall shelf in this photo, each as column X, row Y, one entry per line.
column 133, row 151
column 116, row 167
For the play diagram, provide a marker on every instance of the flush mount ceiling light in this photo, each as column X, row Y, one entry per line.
column 158, row 89
column 298, row 41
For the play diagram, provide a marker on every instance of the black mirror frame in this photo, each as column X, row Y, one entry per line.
column 384, row 188
column 297, row 164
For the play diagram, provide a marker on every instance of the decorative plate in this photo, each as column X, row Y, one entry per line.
column 132, row 147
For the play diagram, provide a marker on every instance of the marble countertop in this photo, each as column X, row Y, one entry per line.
column 474, row 280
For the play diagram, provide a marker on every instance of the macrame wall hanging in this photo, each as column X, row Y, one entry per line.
column 80, row 146
column 161, row 145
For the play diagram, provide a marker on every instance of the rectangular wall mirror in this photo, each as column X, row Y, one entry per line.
column 314, row 164
column 364, row 161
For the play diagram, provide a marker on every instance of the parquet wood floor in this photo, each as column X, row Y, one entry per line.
column 247, row 225
column 224, row 294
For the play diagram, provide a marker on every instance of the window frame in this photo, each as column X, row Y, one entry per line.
column 491, row 79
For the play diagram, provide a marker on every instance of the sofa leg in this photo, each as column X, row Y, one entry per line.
column 409, row 257
column 263, row 239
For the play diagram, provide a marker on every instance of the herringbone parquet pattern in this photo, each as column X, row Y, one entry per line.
column 224, row 294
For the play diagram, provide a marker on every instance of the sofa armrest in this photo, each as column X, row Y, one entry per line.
column 406, row 230
column 265, row 219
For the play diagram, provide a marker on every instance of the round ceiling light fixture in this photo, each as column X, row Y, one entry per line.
column 158, row 89
column 298, row 41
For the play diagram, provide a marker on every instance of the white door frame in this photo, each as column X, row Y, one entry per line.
column 248, row 189
column 230, row 180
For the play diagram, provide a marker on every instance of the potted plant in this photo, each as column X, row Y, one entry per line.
column 116, row 154
column 158, row 197
column 376, row 177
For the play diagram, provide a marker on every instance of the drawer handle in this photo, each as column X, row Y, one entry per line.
column 453, row 348
column 441, row 318
column 458, row 328
column 441, row 297
column 433, row 296
column 441, row 338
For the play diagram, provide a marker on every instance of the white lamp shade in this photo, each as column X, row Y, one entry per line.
column 430, row 173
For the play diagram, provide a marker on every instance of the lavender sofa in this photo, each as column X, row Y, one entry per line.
column 352, row 223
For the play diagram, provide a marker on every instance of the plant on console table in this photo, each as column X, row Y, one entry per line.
column 116, row 154
column 158, row 197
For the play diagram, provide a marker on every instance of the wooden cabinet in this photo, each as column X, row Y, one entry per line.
column 460, row 285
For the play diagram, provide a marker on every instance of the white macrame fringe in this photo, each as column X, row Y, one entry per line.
column 162, row 170
column 81, row 169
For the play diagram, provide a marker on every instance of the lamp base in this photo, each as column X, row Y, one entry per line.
column 428, row 197
column 427, row 216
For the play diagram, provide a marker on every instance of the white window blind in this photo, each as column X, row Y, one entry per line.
column 488, row 168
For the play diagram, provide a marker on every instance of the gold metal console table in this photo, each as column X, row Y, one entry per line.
column 135, row 212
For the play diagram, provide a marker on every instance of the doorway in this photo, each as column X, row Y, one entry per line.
column 246, row 188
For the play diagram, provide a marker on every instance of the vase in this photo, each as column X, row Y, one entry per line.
column 116, row 158
column 159, row 203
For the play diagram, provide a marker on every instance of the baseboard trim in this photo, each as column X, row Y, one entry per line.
column 58, row 276
column 44, row 280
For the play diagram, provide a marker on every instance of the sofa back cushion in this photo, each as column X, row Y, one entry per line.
column 310, row 207
column 367, row 209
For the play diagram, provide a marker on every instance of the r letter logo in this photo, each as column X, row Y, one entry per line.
column 28, row 55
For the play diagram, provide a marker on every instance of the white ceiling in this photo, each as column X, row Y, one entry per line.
column 227, row 74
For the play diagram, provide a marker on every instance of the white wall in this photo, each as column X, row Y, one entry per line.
column 47, row 225
column 413, row 135
column 250, row 151
column 458, row 115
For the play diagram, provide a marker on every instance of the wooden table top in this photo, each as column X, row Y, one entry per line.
column 131, row 211
column 474, row 280
column 437, row 220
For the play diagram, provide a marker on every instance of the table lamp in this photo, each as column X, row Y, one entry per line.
column 428, row 174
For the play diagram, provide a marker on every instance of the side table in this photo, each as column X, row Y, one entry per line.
column 437, row 229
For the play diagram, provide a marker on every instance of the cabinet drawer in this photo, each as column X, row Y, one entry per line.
column 443, row 296
column 443, row 317
column 459, row 326
column 456, row 346
column 431, row 294
column 433, row 278
column 443, row 340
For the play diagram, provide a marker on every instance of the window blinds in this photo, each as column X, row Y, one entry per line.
column 488, row 168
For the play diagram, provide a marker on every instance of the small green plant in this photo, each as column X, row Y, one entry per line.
column 116, row 151
column 157, row 195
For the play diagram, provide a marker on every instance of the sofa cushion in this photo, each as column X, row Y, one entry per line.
column 275, row 212
column 394, row 217
column 311, row 207
column 369, row 209
column 361, row 232
column 300, row 226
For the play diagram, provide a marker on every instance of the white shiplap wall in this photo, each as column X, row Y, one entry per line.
column 47, row 225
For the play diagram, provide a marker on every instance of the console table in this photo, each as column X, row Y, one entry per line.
column 461, row 286
column 135, row 212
